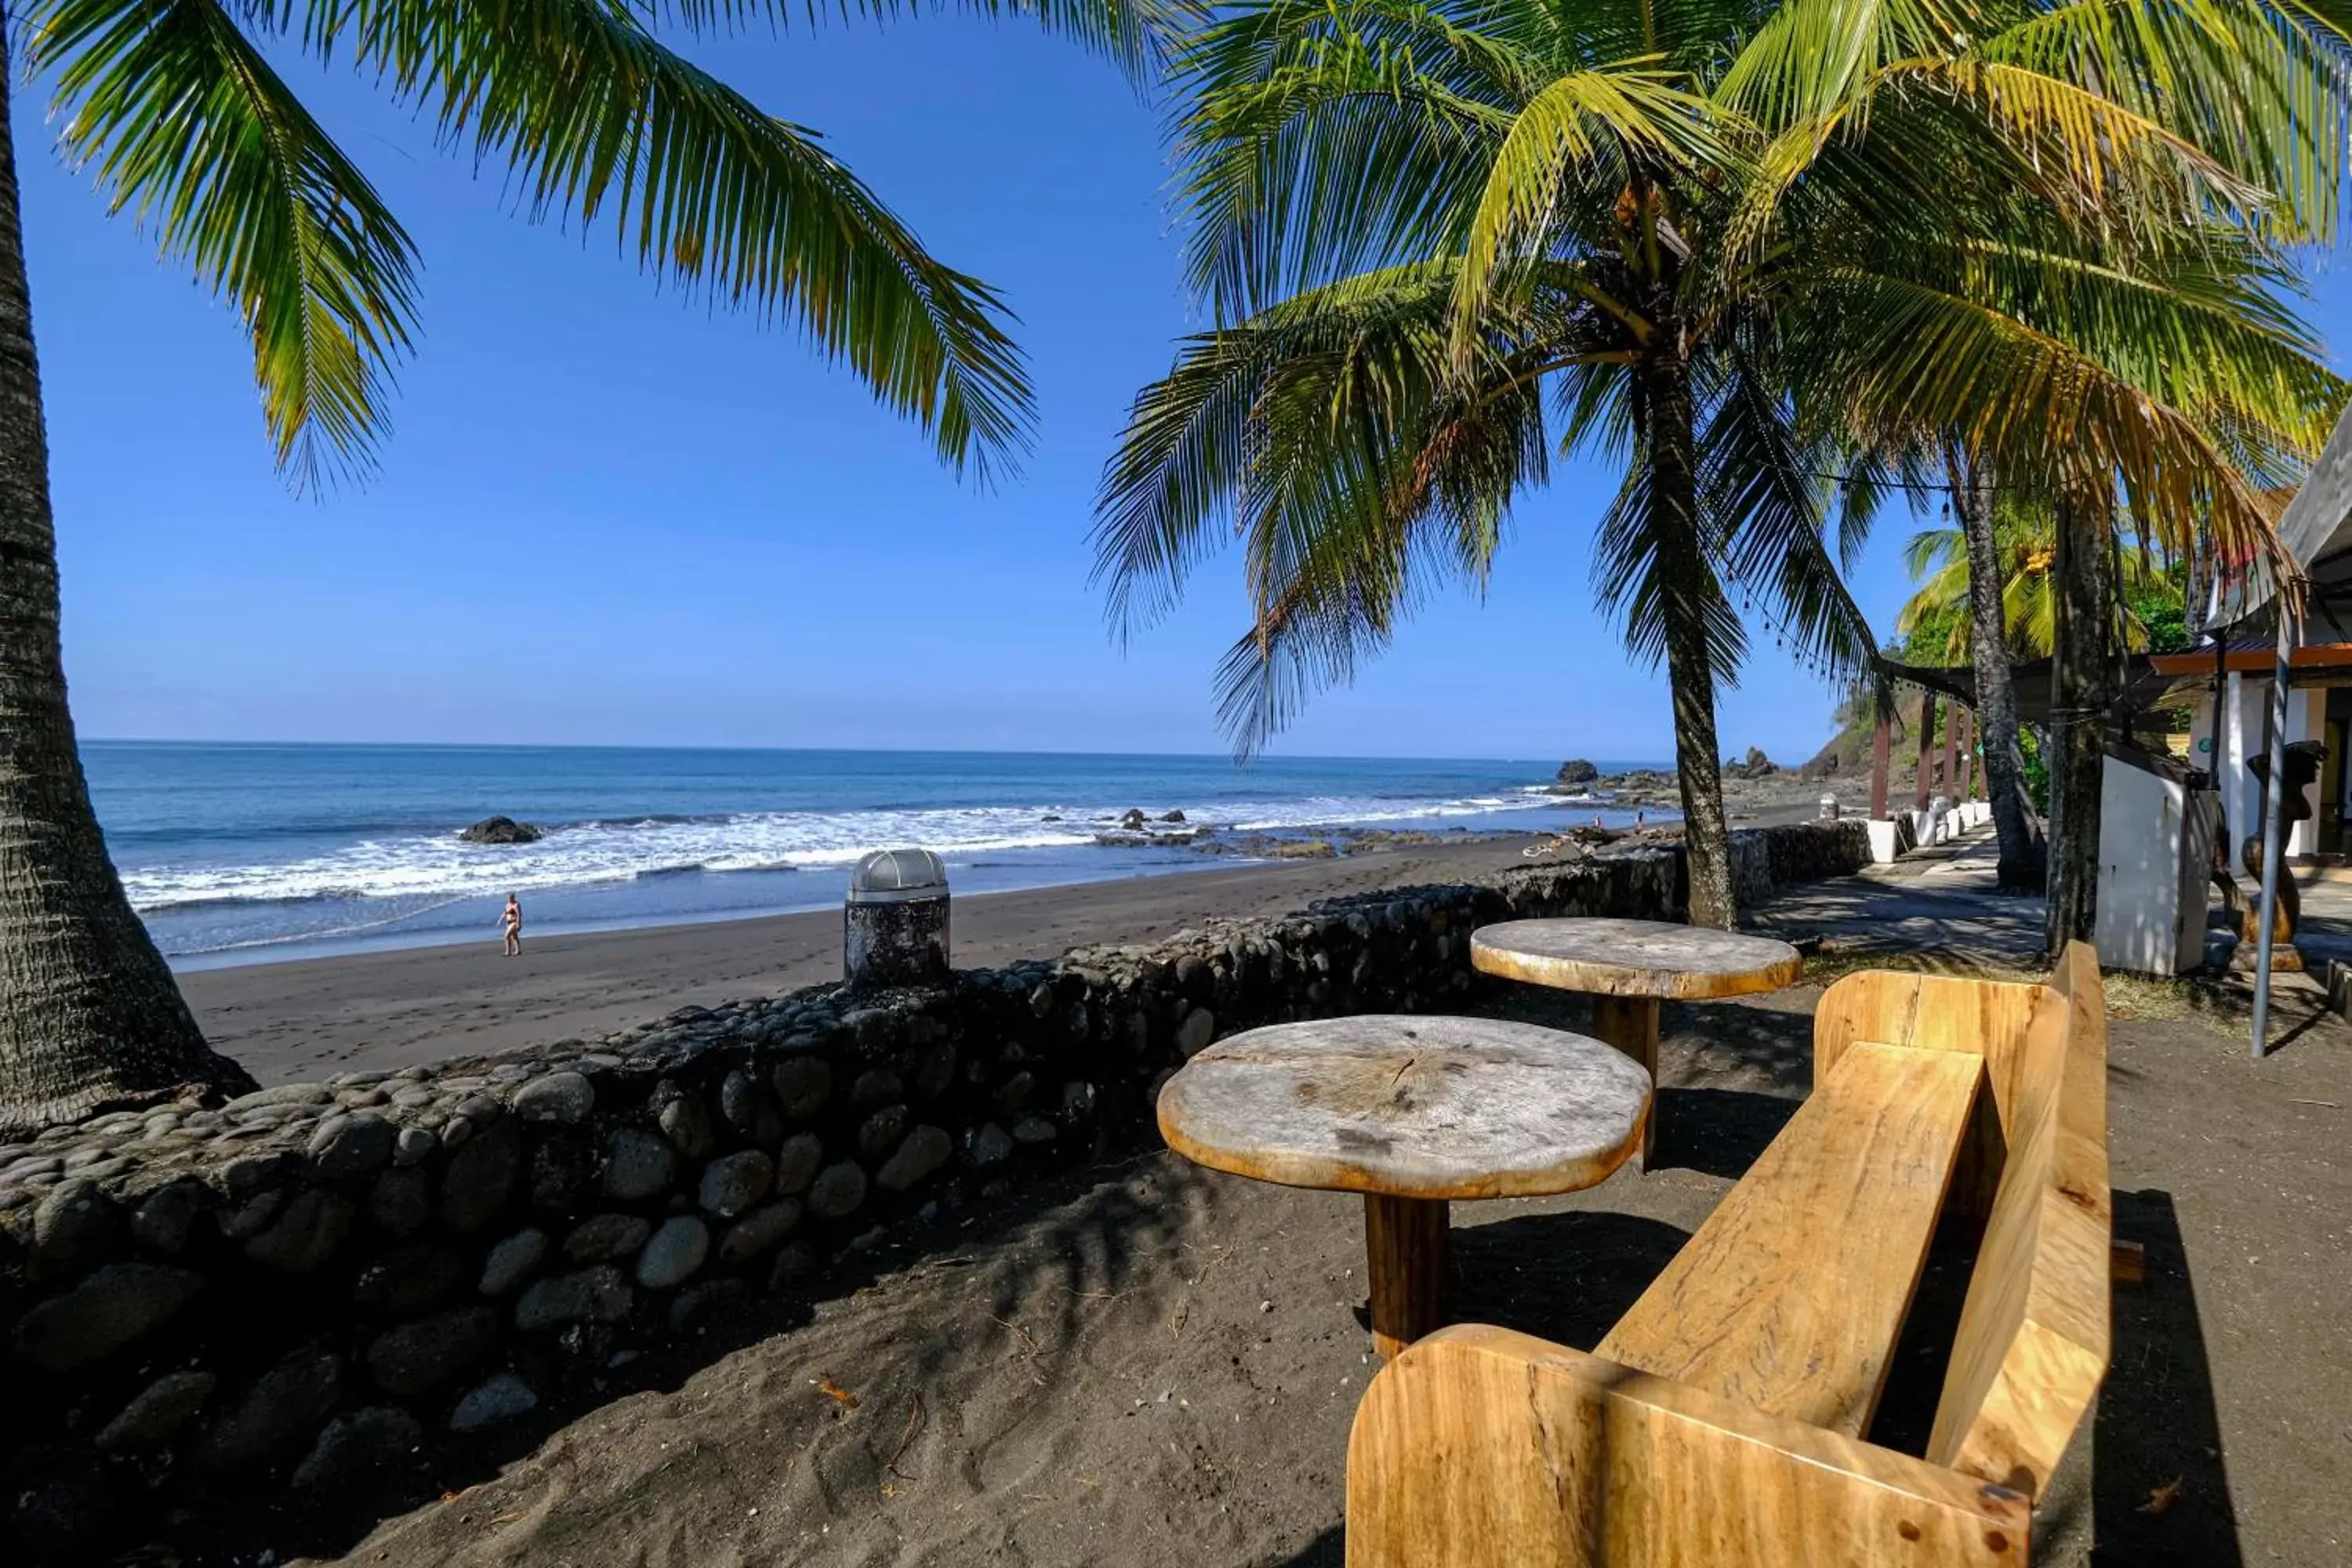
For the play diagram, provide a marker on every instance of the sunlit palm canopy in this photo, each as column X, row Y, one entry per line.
column 1438, row 238
column 180, row 109
column 2026, row 544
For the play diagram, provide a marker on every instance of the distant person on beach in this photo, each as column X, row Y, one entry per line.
column 511, row 922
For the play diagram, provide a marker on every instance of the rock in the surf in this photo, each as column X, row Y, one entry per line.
column 503, row 830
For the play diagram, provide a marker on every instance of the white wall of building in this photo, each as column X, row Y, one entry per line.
column 2246, row 699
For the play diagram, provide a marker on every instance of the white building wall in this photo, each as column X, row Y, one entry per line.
column 2244, row 734
column 2237, row 781
column 2307, row 720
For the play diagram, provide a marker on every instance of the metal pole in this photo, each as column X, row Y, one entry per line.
column 2272, row 839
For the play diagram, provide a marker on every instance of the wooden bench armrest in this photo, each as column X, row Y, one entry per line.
column 1479, row 1448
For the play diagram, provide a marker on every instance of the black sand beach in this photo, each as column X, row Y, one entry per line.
column 303, row 1020
column 307, row 1018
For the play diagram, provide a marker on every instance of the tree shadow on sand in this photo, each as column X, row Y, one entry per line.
column 2160, row 1488
column 1039, row 1256
column 1566, row 1278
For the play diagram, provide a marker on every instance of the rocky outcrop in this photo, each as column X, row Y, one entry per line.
column 503, row 830
column 1577, row 770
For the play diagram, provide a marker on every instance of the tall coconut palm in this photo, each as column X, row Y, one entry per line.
column 177, row 109
column 1727, row 242
column 2022, row 859
column 2025, row 549
column 1989, row 577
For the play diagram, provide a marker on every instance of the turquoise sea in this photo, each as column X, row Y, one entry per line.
column 236, row 853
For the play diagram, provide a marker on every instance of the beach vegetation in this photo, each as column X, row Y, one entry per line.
column 1768, row 262
column 1937, row 621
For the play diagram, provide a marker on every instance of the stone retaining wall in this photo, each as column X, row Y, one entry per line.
column 307, row 1284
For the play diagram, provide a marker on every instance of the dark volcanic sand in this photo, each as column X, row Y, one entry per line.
column 303, row 1020
column 289, row 1022
column 1145, row 1364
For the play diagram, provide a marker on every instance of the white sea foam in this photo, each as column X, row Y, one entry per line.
column 430, row 865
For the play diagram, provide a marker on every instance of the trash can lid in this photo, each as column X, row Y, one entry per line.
column 887, row 875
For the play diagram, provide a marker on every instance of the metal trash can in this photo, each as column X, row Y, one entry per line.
column 894, row 927
column 1829, row 808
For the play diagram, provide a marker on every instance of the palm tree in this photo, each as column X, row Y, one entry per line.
column 1737, row 246
column 1988, row 580
column 175, row 107
column 2023, row 860
column 2025, row 535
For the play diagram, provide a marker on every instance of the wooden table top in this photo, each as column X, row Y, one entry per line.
column 1409, row 1106
column 1634, row 958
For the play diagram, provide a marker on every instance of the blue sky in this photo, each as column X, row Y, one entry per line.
column 609, row 516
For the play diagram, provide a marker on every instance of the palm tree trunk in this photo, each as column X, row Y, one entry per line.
column 2017, row 824
column 89, row 1016
column 2078, row 672
column 1688, row 581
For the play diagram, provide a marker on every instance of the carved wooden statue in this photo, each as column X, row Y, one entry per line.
column 2302, row 761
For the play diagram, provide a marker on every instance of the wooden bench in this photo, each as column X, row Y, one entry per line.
column 1723, row 1420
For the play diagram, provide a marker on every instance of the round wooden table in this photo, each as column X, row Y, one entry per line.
column 1629, row 967
column 1412, row 1111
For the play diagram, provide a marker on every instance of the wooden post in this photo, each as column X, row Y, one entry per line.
column 1952, row 752
column 1405, row 1241
column 1965, row 721
column 1880, row 746
column 1926, row 730
column 1631, row 1024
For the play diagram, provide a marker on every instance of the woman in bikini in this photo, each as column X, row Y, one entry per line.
column 511, row 922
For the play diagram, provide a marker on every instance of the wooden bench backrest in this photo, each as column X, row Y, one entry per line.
column 1987, row 1018
column 1984, row 1018
column 2034, row 1334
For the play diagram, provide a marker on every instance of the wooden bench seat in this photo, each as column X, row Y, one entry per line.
column 1850, row 1191
column 1720, row 1421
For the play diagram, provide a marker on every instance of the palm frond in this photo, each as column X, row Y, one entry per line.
column 1759, row 484
column 1138, row 35
column 2264, row 88
column 1357, row 356
column 1650, row 562
column 1322, row 140
column 1595, row 130
column 185, row 125
column 1908, row 359
column 604, row 124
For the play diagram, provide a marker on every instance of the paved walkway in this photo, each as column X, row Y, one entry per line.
column 1939, row 903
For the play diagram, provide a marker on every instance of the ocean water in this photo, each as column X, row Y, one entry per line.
column 241, row 853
